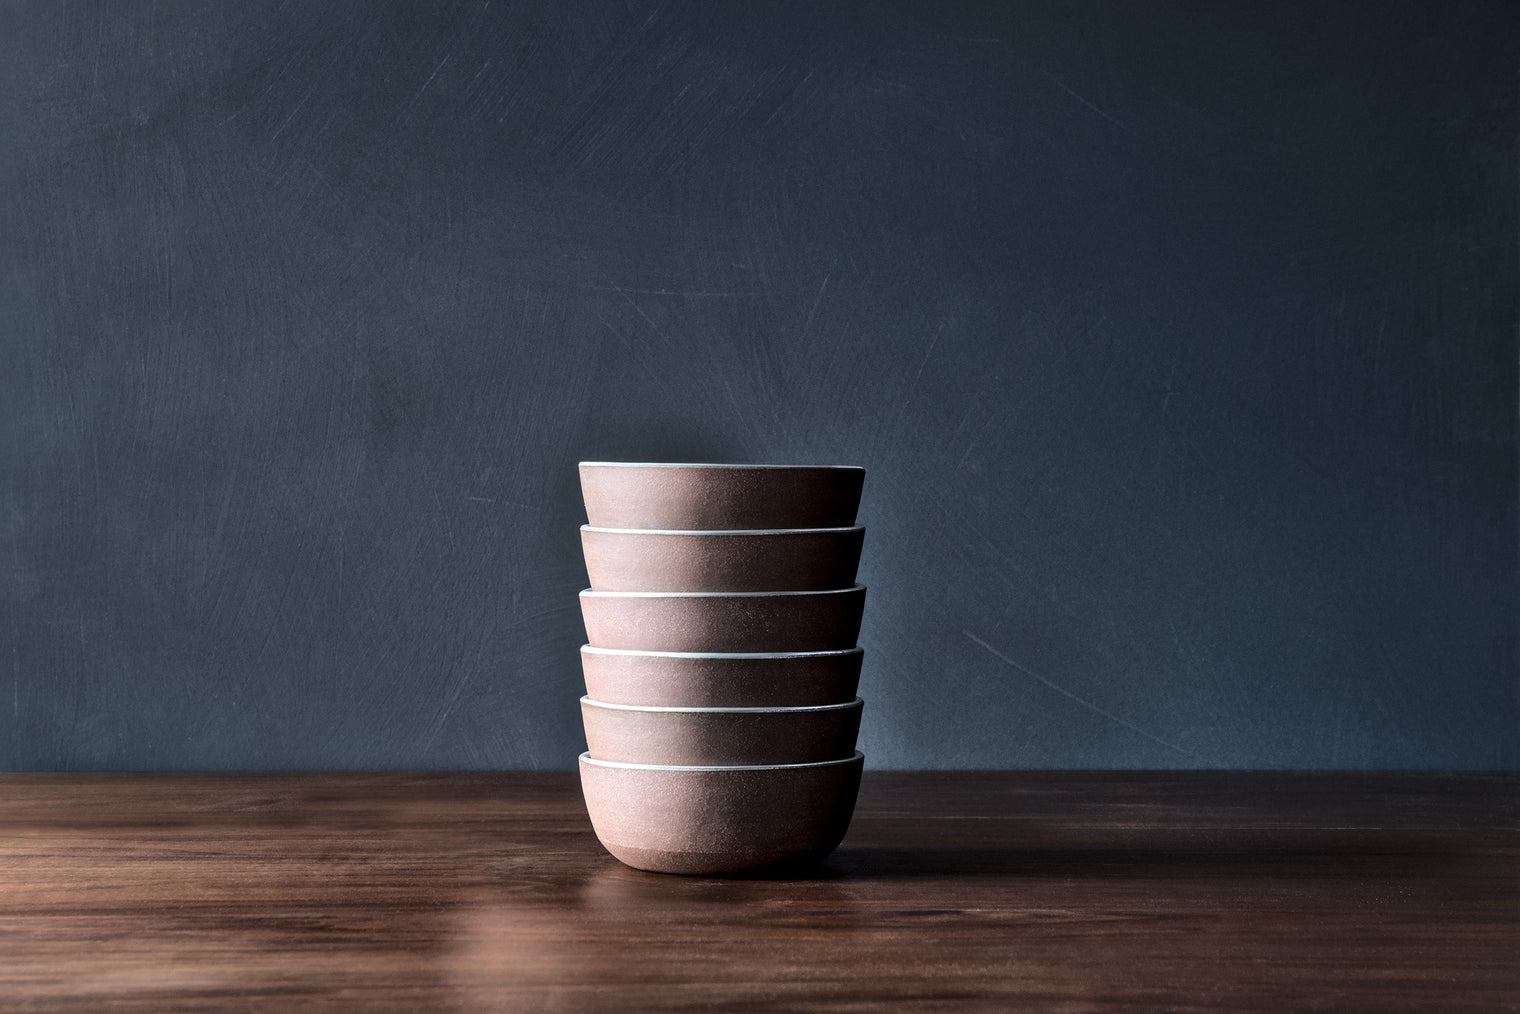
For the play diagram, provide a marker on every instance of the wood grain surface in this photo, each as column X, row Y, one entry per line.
column 1059, row 891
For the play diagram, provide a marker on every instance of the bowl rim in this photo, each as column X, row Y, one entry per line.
column 594, row 650
column 586, row 758
column 717, row 464
column 593, row 593
column 857, row 704
column 837, row 530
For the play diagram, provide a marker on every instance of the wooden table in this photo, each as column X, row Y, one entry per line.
column 982, row 890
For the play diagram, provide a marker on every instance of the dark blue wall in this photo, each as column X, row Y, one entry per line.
column 1179, row 340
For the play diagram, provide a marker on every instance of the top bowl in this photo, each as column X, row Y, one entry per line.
column 675, row 497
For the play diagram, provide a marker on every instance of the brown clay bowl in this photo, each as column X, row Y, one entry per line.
column 718, row 820
column 690, row 679
column 710, row 497
column 807, row 559
column 720, row 736
column 724, row 621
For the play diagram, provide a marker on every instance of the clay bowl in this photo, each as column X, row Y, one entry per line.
column 808, row 559
column 724, row 621
column 712, row 497
column 689, row 679
column 717, row 820
column 720, row 736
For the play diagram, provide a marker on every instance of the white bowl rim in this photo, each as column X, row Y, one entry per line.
column 857, row 704
column 593, row 593
column 715, row 464
column 723, row 531
column 586, row 758
column 594, row 650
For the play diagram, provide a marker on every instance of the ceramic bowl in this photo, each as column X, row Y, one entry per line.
column 723, row 621
column 718, row 820
column 808, row 559
column 720, row 736
column 689, row 679
column 710, row 497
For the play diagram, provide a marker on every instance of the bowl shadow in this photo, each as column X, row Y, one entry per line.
column 1361, row 853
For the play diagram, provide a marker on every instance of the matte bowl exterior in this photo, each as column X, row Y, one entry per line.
column 723, row 621
column 719, row 820
column 785, row 560
column 695, row 680
column 720, row 497
column 720, row 736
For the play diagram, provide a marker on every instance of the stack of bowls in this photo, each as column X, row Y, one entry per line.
column 721, row 667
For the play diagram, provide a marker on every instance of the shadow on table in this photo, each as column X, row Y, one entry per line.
column 1320, row 854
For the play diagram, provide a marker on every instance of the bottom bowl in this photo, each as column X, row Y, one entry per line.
column 718, row 820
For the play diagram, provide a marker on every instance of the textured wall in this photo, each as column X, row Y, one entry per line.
column 1179, row 341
